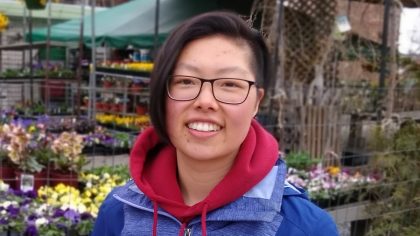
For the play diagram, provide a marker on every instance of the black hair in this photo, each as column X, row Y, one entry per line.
column 207, row 24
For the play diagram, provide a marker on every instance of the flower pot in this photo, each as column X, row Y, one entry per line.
column 107, row 84
column 35, row 4
column 7, row 174
column 66, row 178
column 117, row 107
column 24, row 181
column 119, row 84
column 106, row 106
column 136, row 88
column 99, row 106
column 141, row 110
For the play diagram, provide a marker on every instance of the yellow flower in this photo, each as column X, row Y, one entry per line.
column 31, row 129
column 87, row 193
column 334, row 170
column 4, row 21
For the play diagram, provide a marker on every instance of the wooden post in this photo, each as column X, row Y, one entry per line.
column 394, row 19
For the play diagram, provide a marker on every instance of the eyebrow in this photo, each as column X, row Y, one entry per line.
column 220, row 71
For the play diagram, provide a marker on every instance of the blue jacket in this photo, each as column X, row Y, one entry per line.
column 273, row 207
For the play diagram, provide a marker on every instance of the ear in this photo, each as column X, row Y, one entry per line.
column 260, row 96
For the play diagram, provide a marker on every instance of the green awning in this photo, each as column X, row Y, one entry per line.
column 132, row 23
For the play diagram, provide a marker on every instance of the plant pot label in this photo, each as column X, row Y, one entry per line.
column 27, row 182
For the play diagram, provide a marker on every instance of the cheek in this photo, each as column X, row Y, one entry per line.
column 242, row 116
column 171, row 116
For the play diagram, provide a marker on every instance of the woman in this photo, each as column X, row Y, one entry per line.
column 206, row 166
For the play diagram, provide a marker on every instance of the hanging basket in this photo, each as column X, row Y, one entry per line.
column 35, row 4
column 4, row 22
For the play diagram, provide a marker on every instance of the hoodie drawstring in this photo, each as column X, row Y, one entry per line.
column 155, row 217
column 184, row 225
column 203, row 219
column 182, row 229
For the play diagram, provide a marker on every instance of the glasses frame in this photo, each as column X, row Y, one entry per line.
column 211, row 81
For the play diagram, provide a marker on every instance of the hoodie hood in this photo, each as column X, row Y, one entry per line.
column 157, row 177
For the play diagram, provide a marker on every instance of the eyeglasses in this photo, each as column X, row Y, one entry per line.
column 225, row 90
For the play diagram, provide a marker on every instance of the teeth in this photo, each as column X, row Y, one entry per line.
column 201, row 126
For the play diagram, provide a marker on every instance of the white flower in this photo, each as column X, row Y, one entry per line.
column 65, row 206
column 6, row 204
column 40, row 221
column 3, row 186
column 41, row 209
column 81, row 208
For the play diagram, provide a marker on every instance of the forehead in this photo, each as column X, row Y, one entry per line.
column 218, row 42
column 215, row 52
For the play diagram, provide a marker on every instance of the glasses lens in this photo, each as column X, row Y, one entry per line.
column 183, row 87
column 231, row 90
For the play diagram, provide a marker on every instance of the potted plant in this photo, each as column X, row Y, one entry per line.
column 108, row 81
column 99, row 105
column 120, row 83
column 7, row 173
column 85, row 101
column 35, row 4
column 6, row 166
column 117, row 104
column 300, row 160
column 107, row 104
column 67, row 160
column 141, row 108
column 53, row 212
column 21, row 146
column 136, row 86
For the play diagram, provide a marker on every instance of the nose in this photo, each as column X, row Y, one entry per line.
column 205, row 99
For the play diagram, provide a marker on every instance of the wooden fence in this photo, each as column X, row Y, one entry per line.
column 320, row 132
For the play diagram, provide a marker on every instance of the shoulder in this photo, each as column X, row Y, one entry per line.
column 302, row 217
column 111, row 206
column 110, row 218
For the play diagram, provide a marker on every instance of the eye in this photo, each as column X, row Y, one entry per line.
column 184, row 81
column 229, row 84
column 232, row 84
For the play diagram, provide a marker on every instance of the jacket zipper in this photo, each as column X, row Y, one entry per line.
column 187, row 232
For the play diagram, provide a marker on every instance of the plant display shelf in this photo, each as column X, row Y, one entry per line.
column 122, row 92
column 132, row 74
column 350, row 212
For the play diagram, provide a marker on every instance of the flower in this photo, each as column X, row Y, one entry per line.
column 68, row 149
column 3, row 186
column 327, row 182
column 333, row 170
column 22, row 213
column 20, row 146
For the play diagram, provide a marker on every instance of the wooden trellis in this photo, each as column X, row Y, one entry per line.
column 307, row 47
column 308, row 26
column 320, row 131
column 305, row 53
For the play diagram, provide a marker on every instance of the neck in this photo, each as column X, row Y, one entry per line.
column 197, row 178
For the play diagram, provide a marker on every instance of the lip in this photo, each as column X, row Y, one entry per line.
column 204, row 120
column 203, row 134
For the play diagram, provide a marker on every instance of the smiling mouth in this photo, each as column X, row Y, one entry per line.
column 204, row 126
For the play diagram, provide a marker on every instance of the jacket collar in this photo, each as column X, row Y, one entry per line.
column 261, row 203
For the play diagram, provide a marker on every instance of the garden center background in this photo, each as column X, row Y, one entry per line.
column 344, row 104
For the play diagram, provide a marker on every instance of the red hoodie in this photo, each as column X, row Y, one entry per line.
column 157, row 178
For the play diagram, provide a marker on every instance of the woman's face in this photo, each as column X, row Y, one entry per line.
column 205, row 129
